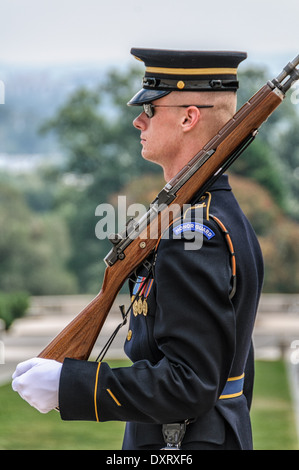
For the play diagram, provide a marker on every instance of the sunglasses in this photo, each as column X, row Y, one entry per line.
column 149, row 108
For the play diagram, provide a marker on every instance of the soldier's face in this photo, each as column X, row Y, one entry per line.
column 160, row 135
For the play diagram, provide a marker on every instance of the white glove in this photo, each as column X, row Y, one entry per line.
column 37, row 382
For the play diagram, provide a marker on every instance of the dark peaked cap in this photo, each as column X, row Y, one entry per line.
column 167, row 70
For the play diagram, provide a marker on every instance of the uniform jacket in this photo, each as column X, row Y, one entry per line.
column 189, row 336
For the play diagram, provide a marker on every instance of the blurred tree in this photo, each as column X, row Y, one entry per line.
column 103, row 148
column 277, row 233
column 13, row 306
column 273, row 157
column 288, row 148
column 33, row 249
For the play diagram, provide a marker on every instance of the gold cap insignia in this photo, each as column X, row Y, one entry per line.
column 180, row 84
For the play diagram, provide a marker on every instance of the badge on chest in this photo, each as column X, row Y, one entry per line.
column 140, row 294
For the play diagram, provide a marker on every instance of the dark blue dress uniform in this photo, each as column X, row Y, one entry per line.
column 189, row 338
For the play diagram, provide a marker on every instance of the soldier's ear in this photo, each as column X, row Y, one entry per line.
column 190, row 118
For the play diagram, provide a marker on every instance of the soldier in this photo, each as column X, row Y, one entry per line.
column 193, row 310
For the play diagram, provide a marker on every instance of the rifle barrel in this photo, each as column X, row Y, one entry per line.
column 288, row 76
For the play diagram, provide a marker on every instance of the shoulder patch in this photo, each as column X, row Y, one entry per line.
column 194, row 227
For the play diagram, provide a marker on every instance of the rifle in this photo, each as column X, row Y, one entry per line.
column 77, row 339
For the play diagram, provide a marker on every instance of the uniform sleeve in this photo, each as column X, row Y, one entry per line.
column 195, row 332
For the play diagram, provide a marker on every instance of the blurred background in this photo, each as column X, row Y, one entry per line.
column 67, row 144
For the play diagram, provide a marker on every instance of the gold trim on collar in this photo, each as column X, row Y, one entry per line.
column 182, row 71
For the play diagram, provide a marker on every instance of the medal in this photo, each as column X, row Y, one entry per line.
column 135, row 308
column 144, row 307
column 139, row 298
column 139, row 306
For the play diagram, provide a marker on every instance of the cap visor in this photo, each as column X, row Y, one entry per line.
column 146, row 96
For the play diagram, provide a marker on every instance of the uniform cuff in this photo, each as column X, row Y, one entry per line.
column 76, row 394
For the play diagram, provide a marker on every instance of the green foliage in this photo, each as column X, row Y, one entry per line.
column 95, row 127
column 258, row 163
column 13, row 306
column 34, row 249
column 277, row 233
column 273, row 157
column 288, row 148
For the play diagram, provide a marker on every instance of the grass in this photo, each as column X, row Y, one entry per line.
column 24, row 428
column 272, row 415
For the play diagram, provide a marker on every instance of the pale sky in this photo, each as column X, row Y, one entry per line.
column 68, row 31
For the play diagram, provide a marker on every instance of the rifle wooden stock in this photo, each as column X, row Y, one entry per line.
column 77, row 339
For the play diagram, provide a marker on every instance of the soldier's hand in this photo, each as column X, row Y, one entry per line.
column 37, row 382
